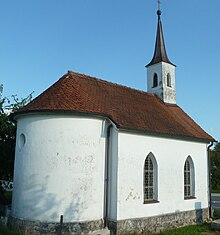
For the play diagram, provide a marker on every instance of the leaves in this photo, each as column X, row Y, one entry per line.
column 8, row 132
column 215, row 166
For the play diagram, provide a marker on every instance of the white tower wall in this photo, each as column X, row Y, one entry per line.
column 163, row 90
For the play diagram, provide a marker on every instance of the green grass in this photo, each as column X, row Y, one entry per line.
column 5, row 231
column 191, row 230
column 204, row 229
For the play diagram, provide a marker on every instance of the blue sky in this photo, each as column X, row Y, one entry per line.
column 41, row 39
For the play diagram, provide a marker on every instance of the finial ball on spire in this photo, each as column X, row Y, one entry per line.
column 159, row 12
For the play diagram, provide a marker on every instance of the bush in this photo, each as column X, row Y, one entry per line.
column 216, row 214
column 5, row 197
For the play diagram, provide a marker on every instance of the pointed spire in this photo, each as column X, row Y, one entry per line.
column 160, row 54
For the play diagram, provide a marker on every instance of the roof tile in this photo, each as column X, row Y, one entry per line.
column 128, row 108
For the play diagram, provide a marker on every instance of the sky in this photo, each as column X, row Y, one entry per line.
column 40, row 40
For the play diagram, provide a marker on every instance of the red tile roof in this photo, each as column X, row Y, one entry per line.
column 128, row 108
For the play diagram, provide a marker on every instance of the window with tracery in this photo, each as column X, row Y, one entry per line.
column 189, row 181
column 150, row 179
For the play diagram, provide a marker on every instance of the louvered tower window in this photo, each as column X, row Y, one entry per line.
column 168, row 80
column 155, row 80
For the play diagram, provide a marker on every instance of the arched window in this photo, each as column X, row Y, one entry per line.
column 155, row 80
column 168, row 80
column 189, row 178
column 150, row 179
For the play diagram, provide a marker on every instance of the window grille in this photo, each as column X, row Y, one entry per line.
column 148, row 179
column 187, row 179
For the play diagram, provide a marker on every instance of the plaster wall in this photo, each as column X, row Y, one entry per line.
column 169, row 93
column 59, row 168
column 170, row 155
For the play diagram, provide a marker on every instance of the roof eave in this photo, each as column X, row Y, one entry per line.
column 118, row 126
column 168, row 135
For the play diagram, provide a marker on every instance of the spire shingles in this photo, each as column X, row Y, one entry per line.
column 160, row 54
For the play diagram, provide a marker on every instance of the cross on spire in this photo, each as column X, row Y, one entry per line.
column 158, row 11
column 160, row 54
column 158, row 1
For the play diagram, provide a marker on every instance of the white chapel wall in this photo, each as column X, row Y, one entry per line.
column 170, row 155
column 59, row 168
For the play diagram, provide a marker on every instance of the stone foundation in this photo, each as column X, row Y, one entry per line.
column 141, row 225
column 158, row 223
column 44, row 228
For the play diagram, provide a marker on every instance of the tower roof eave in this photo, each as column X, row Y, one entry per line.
column 159, row 61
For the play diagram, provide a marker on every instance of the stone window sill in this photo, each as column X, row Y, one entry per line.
column 189, row 198
column 151, row 202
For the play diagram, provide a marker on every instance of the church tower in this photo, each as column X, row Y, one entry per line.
column 160, row 71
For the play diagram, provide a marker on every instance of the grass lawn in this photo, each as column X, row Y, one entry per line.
column 204, row 229
column 5, row 231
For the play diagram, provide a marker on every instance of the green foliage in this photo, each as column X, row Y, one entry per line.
column 216, row 190
column 5, row 231
column 215, row 167
column 8, row 197
column 216, row 214
column 8, row 133
column 7, row 140
column 5, row 197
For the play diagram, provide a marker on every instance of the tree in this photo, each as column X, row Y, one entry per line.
column 215, row 166
column 8, row 133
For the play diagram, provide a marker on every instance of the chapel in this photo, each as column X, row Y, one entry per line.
column 94, row 155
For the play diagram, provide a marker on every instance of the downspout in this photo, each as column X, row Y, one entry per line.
column 107, row 175
column 209, row 180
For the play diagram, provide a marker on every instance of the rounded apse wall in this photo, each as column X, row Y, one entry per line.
column 59, row 168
